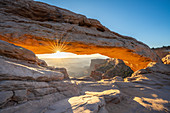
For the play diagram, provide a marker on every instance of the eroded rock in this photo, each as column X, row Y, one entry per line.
column 13, row 51
column 26, row 86
column 62, row 70
column 110, row 68
column 12, row 70
column 112, row 96
column 80, row 104
column 166, row 59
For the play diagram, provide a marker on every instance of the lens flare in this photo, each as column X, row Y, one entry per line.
column 57, row 45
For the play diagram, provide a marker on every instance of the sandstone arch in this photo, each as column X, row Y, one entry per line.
column 28, row 23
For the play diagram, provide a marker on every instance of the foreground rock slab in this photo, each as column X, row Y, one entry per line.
column 33, row 96
column 26, row 86
column 80, row 104
column 14, row 70
column 13, row 51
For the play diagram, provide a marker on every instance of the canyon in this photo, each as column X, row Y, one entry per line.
column 133, row 80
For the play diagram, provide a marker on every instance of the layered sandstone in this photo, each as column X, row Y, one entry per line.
column 109, row 68
column 32, row 24
column 28, row 87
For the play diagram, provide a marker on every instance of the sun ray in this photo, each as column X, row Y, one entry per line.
column 59, row 43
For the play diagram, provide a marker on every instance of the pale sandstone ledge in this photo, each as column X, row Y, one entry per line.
column 31, row 24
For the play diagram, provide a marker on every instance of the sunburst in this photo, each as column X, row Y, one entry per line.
column 58, row 44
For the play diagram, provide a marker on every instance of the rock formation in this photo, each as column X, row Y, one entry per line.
column 26, row 84
column 166, row 59
column 28, row 87
column 32, row 25
column 102, row 69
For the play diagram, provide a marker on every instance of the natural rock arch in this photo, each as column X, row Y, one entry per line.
column 29, row 24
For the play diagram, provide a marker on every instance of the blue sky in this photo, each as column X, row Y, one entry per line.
column 146, row 20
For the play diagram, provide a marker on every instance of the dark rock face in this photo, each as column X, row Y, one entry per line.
column 111, row 68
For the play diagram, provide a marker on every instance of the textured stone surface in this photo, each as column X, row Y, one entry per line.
column 33, row 96
column 80, row 104
column 13, row 51
column 5, row 95
column 26, row 86
column 30, row 23
column 42, row 63
column 62, row 70
column 30, row 88
column 166, row 59
column 15, row 70
column 17, row 64
column 109, row 68
column 96, row 63
column 113, row 96
column 162, row 51
column 148, row 88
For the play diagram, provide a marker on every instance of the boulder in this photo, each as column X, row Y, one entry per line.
column 23, row 64
column 41, row 62
column 13, row 51
column 62, row 70
column 20, row 53
column 113, row 95
column 166, row 59
column 79, row 104
column 95, row 63
column 110, row 68
column 17, row 71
